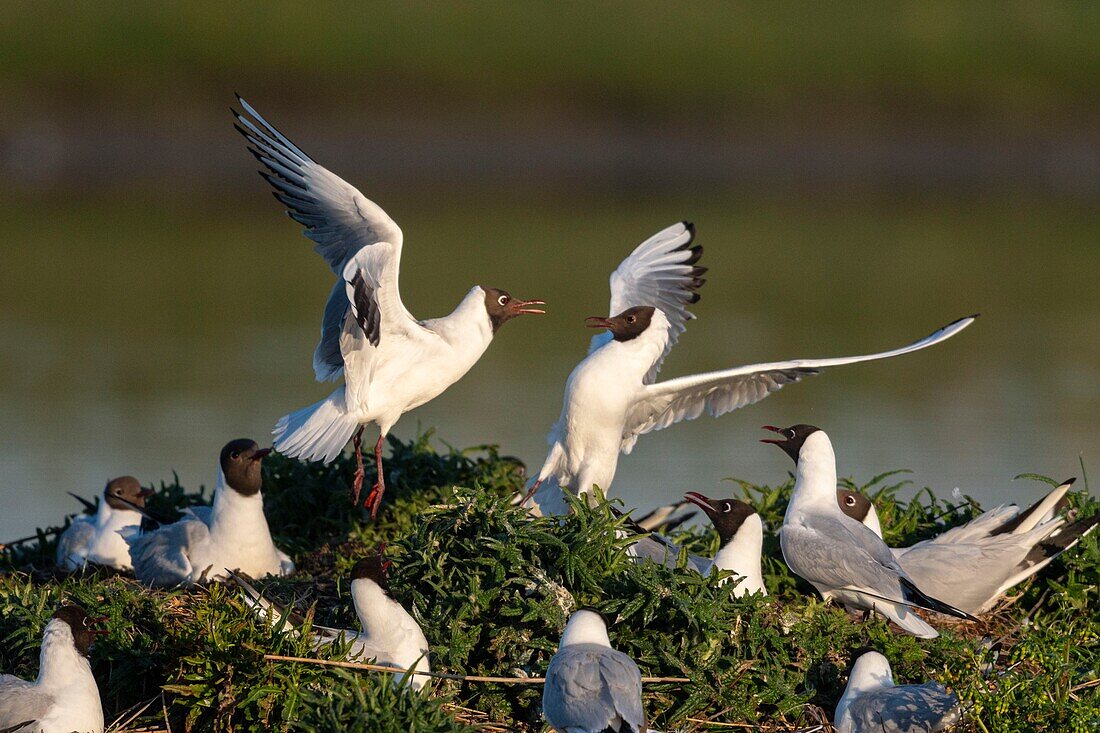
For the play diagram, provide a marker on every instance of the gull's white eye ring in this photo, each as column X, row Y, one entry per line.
column 503, row 300
column 850, row 500
column 727, row 507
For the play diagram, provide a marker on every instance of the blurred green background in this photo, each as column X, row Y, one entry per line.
column 859, row 175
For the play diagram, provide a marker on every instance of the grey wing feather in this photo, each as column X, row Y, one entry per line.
column 905, row 709
column 589, row 688
column 20, row 702
column 686, row 398
column 328, row 360
column 838, row 556
column 161, row 558
column 75, row 543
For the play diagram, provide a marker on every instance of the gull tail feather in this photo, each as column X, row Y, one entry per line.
column 1044, row 552
column 318, row 432
column 1038, row 513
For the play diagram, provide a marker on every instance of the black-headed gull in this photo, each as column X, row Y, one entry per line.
column 390, row 635
column 740, row 544
column 973, row 565
column 612, row 397
column 232, row 533
column 590, row 687
column 872, row 703
column 95, row 538
column 64, row 698
column 842, row 558
column 391, row 362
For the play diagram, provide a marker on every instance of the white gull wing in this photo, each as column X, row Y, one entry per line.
column 590, row 687
column 685, row 398
column 342, row 222
column 661, row 273
column 902, row 709
column 163, row 557
column 21, row 702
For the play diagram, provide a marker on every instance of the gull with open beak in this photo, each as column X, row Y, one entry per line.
column 94, row 538
column 233, row 533
column 740, row 544
column 973, row 565
column 390, row 361
column 64, row 697
column 613, row 397
column 843, row 559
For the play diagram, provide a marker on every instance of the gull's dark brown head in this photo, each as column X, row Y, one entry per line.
column 124, row 493
column 502, row 307
column 240, row 462
column 793, row 438
column 853, row 503
column 727, row 515
column 374, row 568
column 630, row 324
column 82, row 626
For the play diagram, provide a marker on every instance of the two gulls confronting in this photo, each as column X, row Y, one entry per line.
column 390, row 361
column 612, row 396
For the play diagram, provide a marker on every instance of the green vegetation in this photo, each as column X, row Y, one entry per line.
column 492, row 589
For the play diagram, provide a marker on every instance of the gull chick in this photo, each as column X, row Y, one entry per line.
column 95, row 538
column 390, row 361
column 233, row 533
column 590, row 687
column 843, row 559
column 612, row 397
column 872, row 703
column 64, row 698
column 390, row 635
column 973, row 565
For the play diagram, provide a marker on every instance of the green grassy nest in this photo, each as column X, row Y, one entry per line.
column 492, row 589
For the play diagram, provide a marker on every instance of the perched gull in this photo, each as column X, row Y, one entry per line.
column 95, row 538
column 972, row 565
column 590, row 687
column 872, row 703
column 741, row 539
column 390, row 635
column 65, row 697
column 233, row 533
column 839, row 556
column 612, row 397
column 390, row 361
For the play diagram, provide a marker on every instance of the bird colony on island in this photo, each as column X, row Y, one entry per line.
column 390, row 362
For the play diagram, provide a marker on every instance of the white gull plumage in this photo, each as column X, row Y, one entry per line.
column 612, row 396
column 872, row 703
column 95, row 538
column 233, row 533
column 390, row 361
column 64, row 697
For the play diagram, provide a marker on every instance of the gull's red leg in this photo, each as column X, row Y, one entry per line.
column 357, row 484
column 531, row 493
column 374, row 499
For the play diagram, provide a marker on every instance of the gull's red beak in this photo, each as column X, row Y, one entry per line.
column 773, row 441
column 259, row 455
column 100, row 620
column 597, row 322
column 702, row 501
column 523, row 307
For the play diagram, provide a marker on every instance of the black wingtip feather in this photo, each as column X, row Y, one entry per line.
column 922, row 599
column 696, row 253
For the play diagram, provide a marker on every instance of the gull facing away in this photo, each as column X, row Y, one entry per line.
column 839, row 556
column 741, row 541
column 973, row 565
column 64, row 698
column 390, row 635
column 95, row 538
column 612, row 397
column 590, row 687
column 232, row 533
column 390, row 361
column 872, row 703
